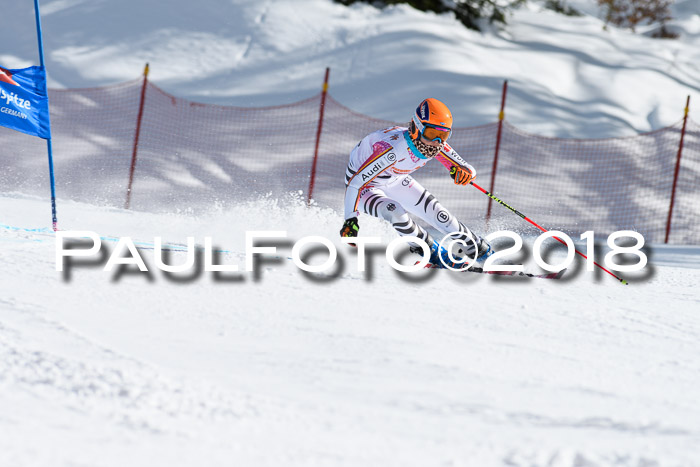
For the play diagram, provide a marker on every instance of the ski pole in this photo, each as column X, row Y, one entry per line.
column 498, row 200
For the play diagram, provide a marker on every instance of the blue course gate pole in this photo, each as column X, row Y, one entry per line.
column 48, row 141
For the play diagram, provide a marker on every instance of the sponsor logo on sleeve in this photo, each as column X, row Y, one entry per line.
column 373, row 169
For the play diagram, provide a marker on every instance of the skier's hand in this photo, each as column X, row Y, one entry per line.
column 461, row 175
column 350, row 228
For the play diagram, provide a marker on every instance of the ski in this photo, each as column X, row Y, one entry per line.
column 549, row 275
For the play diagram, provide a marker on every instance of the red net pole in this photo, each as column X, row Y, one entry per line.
column 678, row 168
column 501, row 116
column 132, row 168
column 324, row 92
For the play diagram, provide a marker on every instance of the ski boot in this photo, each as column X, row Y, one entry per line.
column 484, row 250
column 437, row 252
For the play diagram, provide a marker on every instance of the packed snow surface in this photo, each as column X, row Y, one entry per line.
column 280, row 367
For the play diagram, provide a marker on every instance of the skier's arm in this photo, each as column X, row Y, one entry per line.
column 460, row 170
column 374, row 166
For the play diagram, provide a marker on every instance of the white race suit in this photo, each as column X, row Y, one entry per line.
column 378, row 183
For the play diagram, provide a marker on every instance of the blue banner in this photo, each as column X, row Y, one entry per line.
column 24, row 103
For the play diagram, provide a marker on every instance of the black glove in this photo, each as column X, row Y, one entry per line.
column 350, row 228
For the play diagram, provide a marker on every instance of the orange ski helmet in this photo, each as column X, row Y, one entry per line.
column 432, row 121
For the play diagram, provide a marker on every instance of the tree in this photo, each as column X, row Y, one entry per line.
column 469, row 12
column 633, row 13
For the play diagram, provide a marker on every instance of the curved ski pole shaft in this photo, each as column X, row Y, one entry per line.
column 501, row 202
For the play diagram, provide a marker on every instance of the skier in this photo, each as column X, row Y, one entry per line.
column 378, row 182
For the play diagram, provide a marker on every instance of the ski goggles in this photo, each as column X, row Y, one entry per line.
column 432, row 132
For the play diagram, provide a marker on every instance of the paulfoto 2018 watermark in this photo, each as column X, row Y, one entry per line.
column 89, row 245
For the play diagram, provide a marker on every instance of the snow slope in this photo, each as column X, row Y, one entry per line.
column 285, row 368
column 568, row 77
column 282, row 368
